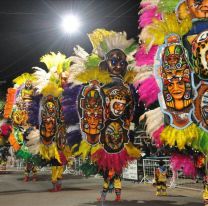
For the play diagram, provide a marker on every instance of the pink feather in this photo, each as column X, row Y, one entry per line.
column 156, row 136
column 145, row 58
column 148, row 13
column 6, row 129
column 184, row 162
column 107, row 161
column 148, row 91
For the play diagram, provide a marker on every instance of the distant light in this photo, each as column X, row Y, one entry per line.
column 71, row 24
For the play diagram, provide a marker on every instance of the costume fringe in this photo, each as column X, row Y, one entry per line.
column 175, row 137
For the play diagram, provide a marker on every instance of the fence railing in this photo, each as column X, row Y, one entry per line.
column 175, row 179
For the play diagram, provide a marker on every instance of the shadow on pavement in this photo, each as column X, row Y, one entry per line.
column 143, row 203
column 47, row 177
column 16, row 192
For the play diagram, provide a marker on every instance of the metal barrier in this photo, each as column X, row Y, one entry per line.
column 175, row 179
column 73, row 167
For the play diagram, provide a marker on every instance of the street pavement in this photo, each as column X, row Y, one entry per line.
column 81, row 191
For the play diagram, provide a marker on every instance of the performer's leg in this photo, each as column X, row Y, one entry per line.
column 34, row 171
column 158, row 187
column 27, row 173
column 54, row 179
column 163, row 189
column 104, row 191
column 117, row 186
column 59, row 177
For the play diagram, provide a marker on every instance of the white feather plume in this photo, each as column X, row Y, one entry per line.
column 117, row 40
column 77, row 63
column 33, row 141
column 43, row 78
column 154, row 119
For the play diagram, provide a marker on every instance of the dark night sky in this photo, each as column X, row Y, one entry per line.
column 31, row 28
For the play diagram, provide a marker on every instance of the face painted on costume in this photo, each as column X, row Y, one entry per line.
column 50, row 107
column 176, row 88
column 20, row 117
column 176, row 74
column 114, row 136
column 28, row 84
column 49, row 124
column 173, row 61
column 117, row 98
column 198, row 8
column 91, row 111
column 50, row 113
column 116, row 61
column 200, row 54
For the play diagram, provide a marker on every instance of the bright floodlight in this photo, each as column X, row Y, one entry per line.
column 70, row 24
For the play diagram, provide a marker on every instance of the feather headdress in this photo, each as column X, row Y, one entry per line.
column 23, row 78
column 56, row 62
column 147, row 13
column 50, row 82
column 155, row 33
column 113, row 40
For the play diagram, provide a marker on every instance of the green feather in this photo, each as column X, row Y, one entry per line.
column 92, row 61
column 23, row 153
column 131, row 48
column 201, row 143
column 167, row 5
column 88, row 168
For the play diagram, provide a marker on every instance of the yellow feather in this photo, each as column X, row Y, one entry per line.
column 132, row 150
column 52, row 89
column 130, row 75
column 157, row 31
column 84, row 150
column 92, row 74
column 175, row 137
column 49, row 152
column 23, row 78
column 98, row 35
column 57, row 61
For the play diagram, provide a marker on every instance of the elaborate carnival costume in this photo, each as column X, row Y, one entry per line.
column 53, row 145
column 161, row 179
column 18, row 103
column 174, row 43
column 106, row 104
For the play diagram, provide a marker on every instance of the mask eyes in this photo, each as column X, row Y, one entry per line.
column 202, row 37
column 114, row 61
column 123, row 63
column 178, row 65
column 197, row 2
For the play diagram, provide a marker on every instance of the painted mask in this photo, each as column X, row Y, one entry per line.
column 116, row 62
column 176, row 75
column 118, row 101
column 48, row 129
column 91, row 110
column 198, row 8
column 200, row 53
column 114, row 136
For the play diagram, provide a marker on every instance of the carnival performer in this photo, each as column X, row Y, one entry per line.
column 30, row 168
column 161, row 179
column 112, row 182
column 106, row 104
column 53, row 147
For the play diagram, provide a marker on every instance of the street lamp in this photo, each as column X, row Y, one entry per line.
column 70, row 24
